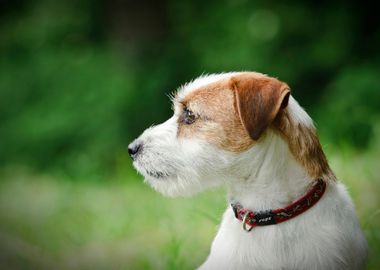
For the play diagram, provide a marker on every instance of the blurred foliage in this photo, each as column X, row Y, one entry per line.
column 62, row 95
column 80, row 79
column 350, row 108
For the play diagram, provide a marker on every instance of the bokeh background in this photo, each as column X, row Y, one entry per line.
column 80, row 79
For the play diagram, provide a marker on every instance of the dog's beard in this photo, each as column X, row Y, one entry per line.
column 181, row 168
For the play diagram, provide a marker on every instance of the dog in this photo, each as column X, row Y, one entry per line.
column 244, row 131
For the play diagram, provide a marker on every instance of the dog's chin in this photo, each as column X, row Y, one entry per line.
column 170, row 185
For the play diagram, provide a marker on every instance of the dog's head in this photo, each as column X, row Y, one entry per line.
column 217, row 120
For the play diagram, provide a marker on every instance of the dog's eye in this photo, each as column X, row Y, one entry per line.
column 188, row 116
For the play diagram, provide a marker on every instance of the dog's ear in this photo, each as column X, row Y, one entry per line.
column 258, row 101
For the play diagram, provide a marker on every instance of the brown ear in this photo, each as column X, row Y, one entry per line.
column 258, row 100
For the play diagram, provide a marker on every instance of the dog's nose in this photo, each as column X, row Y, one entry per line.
column 134, row 148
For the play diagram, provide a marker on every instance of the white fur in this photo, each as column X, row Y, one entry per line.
column 298, row 114
column 266, row 176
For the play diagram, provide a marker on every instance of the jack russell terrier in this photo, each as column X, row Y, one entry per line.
column 245, row 131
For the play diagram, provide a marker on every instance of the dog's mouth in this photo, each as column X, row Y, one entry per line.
column 149, row 171
column 157, row 174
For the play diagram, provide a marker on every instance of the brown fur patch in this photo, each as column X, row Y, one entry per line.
column 305, row 146
column 217, row 120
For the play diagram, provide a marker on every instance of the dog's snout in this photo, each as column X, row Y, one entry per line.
column 134, row 148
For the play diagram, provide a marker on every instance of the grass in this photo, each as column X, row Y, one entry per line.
column 46, row 223
column 50, row 223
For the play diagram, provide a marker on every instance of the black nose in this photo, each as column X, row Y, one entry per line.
column 134, row 148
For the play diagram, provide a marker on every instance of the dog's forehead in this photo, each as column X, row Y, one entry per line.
column 205, row 80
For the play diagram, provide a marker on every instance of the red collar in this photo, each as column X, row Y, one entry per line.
column 275, row 216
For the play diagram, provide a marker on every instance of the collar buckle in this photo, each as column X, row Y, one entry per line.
column 245, row 222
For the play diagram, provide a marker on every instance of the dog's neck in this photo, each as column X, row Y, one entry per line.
column 274, row 178
column 283, row 164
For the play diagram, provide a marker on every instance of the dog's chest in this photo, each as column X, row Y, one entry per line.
column 318, row 239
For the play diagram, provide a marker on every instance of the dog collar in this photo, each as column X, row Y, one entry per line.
column 275, row 216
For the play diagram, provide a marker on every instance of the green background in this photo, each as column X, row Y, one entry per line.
column 80, row 79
